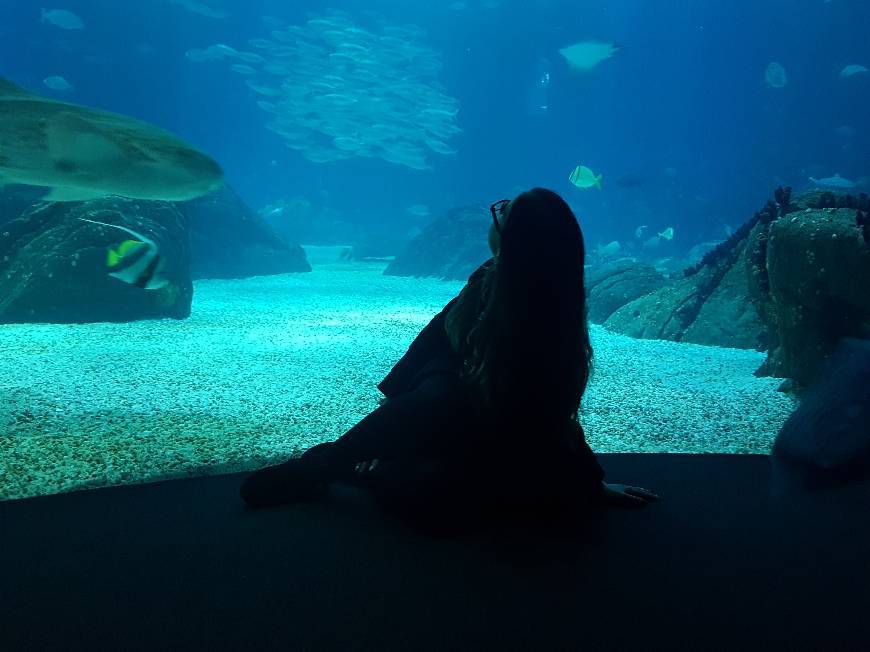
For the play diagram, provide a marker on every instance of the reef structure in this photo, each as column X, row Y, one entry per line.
column 709, row 305
column 792, row 281
column 809, row 278
column 54, row 269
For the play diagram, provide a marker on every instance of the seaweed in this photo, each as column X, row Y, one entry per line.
column 782, row 195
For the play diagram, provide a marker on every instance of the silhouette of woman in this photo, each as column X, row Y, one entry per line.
column 480, row 416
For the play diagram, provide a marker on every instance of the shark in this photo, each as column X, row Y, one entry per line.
column 82, row 153
column 835, row 181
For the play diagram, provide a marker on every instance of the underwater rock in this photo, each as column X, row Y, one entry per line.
column 827, row 439
column 710, row 305
column 809, row 280
column 611, row 286
column 53, row 266
column 451, row 247
column 15, row 199
column 301, row 220
column 378, row 244
column 229, row 240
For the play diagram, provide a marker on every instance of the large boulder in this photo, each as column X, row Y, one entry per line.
column 16, row 199
column 612, row 285
column 229, row 240
column 53, row 266
column 709, row 305
column 451, row 247
column 827, row 439
column 810, row 280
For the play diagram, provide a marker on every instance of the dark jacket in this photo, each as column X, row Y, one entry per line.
column 431, row 353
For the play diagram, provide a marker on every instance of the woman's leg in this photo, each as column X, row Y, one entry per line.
column 429, row 421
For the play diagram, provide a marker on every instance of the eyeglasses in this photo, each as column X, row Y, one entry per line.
column 498, row 210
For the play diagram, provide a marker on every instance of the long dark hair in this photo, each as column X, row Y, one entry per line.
column 530, row 346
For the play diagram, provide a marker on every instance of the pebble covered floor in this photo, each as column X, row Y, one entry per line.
column 268, row 366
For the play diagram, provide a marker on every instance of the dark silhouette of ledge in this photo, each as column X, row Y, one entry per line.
column 719, row 563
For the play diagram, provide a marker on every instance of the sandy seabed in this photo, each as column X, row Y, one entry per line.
column 268, row 366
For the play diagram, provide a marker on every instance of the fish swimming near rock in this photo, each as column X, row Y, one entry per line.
column 667, row 234
column 82, row 153
column 584, row 178
column 61, row 18
column 835, row 181
column 853, row 69
column 137, row 262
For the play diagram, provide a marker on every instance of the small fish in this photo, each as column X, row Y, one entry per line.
column 57, row 83
column 853, row 69
column 775, row 75
column 845, row 132
column 835, row 181
column 584, row 178
column 610, row 249
column 61, row 18
column 200, row 8
column 418, row 210
column 638, row 232
column 261, row 89
column 667, row 234
column 242, row 69
column 144, row 271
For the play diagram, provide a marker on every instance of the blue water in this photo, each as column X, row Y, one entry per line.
column 682, row 108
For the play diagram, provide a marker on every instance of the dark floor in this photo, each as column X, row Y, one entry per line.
column 717, row 564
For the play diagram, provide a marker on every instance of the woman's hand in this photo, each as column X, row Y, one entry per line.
column 621, row 495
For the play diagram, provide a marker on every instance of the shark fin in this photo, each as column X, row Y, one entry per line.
column 69, row 193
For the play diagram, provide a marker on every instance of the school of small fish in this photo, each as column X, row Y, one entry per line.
column 334, row 90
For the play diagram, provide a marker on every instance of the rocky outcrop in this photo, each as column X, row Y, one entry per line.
column 809, row 273
column 16, row 199
column 53, row 266
column 709, row 305
column 450, row 248
column 300, row 220
column 229, row 240
column 611, row 286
